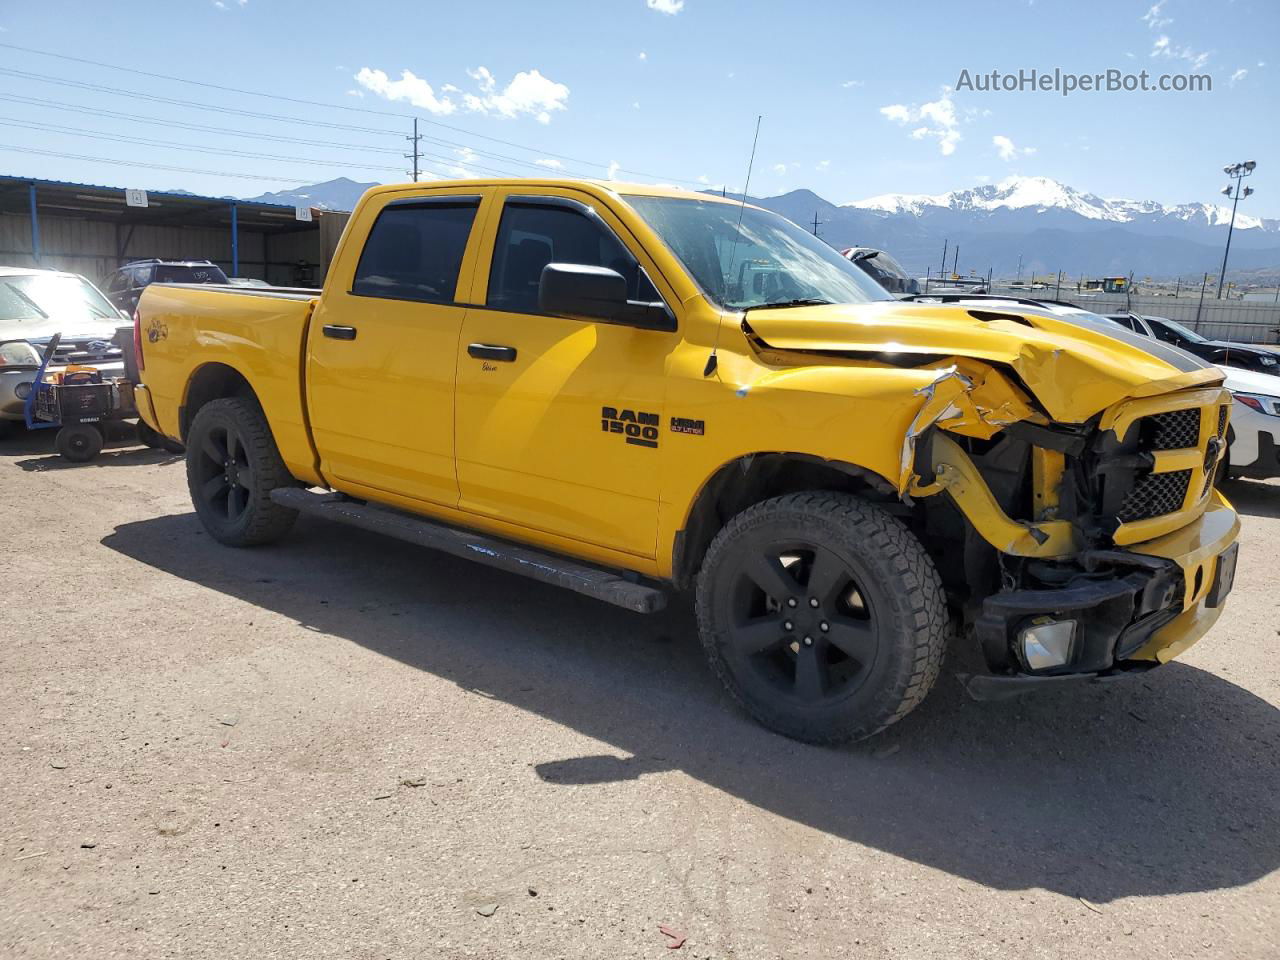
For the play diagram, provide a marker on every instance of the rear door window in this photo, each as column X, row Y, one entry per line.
column 415, row 250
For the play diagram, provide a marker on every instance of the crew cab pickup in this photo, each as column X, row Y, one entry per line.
column 629, row 390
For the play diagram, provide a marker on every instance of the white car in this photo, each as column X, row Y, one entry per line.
column 1255, row 424
column 35, row 305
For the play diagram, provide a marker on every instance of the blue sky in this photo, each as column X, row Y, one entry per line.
column 857, row 99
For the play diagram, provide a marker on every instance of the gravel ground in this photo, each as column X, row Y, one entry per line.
column 344, row 746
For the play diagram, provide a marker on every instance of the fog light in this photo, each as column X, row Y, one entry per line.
column 23, row 390
column 1047, row 642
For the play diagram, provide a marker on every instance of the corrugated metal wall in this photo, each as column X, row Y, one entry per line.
column 95, row 247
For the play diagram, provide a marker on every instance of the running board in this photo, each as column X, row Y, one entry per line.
column 548, row 567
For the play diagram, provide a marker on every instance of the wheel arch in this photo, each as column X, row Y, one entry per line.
column 751, row 478
column 211, row 381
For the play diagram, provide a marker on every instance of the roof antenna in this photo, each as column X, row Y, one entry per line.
column 713, row 361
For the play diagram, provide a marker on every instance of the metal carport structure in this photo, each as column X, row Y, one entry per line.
column 92, row 229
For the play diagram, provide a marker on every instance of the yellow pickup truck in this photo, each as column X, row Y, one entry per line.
column 629, row 390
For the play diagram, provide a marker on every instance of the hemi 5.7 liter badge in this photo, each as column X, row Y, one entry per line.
column 638, row 427
column 685, row 425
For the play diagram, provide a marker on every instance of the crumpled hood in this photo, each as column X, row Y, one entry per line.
column 1075, row 363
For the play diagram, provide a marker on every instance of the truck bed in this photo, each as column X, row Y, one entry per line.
column 195, row 333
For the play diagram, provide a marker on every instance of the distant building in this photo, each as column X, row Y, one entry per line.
column 92, row 230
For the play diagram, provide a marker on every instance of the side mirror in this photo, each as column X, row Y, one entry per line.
column 579, row 290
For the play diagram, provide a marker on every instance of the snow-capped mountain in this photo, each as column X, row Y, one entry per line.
column 340, row 194
column 1042, row 195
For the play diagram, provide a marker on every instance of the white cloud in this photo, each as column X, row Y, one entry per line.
column 643, row 55
column 550, row 163
column 635, row 105
column 1008, row 152
column 1238, row 76
column 219, row 4
column 853, row 83
column 1152, row 17
column 823, row 166
column 703, row 178
column 779, row 168
column 937, row 119
column 669, row 7
column 528, row 93
column 359, row 94
column 1164, row 47
column 614, row 167
column 411, row 88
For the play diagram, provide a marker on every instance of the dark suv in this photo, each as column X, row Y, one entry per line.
column 124, row 285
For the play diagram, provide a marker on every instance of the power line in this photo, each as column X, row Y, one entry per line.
column 465, row 152
column 183, row 125
column 170, row 145
column 156, row 98
column 149, row 166
column 314, row 103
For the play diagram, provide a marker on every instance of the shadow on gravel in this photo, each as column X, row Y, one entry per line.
column 1253, row 498
column 1160, row 785
column 121, row 450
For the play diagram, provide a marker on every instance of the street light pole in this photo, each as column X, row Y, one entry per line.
column 1237, row 172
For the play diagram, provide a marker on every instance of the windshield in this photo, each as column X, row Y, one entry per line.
column 770, row 262
column 41, row 296
column 1177, row 328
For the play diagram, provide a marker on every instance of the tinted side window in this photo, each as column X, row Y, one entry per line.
column 1165, row 334
column 532, row 236
column 139, row 276
column 115, row 283
column 414, row 252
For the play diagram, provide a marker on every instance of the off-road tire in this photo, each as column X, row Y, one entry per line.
column 244, row 515
column 895, row 583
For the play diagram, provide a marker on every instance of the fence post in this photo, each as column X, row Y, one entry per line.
column 1196, row 325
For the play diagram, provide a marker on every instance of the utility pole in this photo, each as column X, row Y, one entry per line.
column 1019, row 268
column 816, row 223
column 955, row 264
column 415, row 140
column 944, row 260
column 1237, row 172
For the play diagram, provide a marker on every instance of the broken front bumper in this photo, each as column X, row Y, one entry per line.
column 1165, row 595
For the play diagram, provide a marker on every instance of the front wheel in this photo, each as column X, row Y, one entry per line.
column 232, row 467
column 823, row 615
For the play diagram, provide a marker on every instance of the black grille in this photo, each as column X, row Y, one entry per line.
column 1222, row 422
column 1155, row 495
column 1175, row 430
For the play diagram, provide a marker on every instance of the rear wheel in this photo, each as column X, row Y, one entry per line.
column 232, row 467
column 823, row 615
column 79, row 442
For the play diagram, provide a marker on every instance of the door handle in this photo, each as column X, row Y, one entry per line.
column 491, row 351
column 338, row 332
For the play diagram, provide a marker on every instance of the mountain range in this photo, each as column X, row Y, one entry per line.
column 1046, row 224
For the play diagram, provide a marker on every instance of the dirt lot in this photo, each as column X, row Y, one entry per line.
column 343, row 746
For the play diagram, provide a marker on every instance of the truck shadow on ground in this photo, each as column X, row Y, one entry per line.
column 1253, row 498
column 1160, row 785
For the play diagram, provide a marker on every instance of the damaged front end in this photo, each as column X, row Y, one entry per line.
column 1059, row 470
column 1086, row 550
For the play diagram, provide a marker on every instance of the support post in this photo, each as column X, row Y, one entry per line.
column 35, row 224
column 235, row 241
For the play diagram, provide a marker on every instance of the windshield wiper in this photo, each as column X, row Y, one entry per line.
column 31, row 303
column 798, row 302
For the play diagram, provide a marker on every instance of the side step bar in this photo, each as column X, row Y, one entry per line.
column 548, row 567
